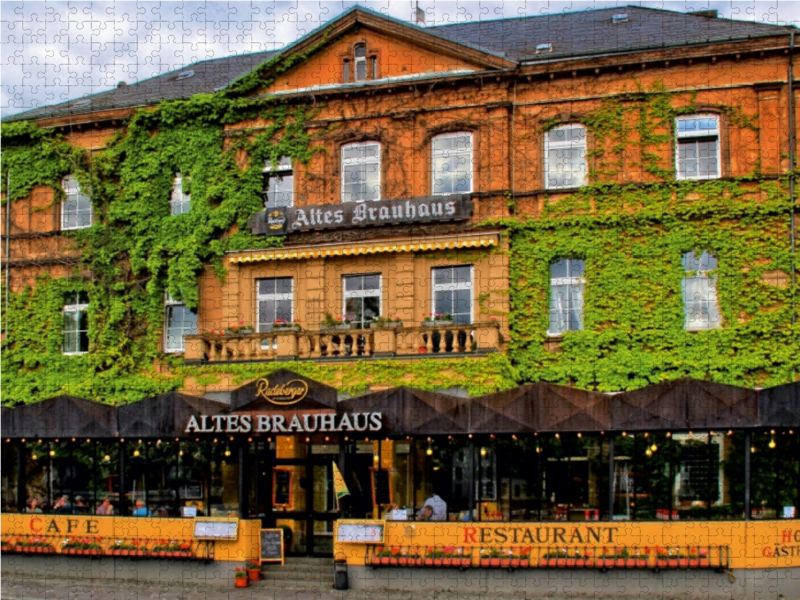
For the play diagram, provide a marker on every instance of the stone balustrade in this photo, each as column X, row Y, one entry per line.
column 441, row 338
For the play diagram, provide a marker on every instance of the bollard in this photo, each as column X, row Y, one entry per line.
column 340, row 575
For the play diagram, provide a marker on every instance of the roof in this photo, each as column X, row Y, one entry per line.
column 593, row 32
column 582, row 33
column 209, row 76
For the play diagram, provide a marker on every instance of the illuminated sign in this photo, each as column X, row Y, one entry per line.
column 282, row 395
column 285, row 423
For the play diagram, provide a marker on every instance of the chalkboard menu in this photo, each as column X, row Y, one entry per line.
column 272, row 545
column 215, row 530
column 380, row 482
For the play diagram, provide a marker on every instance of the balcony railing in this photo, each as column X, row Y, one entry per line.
column 343, row 342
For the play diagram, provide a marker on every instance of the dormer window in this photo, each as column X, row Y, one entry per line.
column 361, row 62
column 619, row 18
column 544, row 48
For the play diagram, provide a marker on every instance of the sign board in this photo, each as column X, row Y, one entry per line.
column 359, row 533
column 432, row 209
column 215, row 530
column 272, row 545
column 189, row 511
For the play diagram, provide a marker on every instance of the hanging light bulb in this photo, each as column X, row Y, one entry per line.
column 752, row 449
column 483, row 451
column 648, row 452
column 429, row 451
column 558, row 436
column 624, row 434
column 653, row 448
column 772, row 443
column 730, row 431
column 538, row 449
column 580, row 435
column 180, row 452
column 136, row 452
column 106, row 458
column 227, row 451
column 375, row 458
column 34, row 457
column 669, row 434
column 52, row 453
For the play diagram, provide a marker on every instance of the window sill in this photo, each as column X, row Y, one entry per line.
column 565, row 189
column 678, row 178
column 75, row 228
column 74, row 353
column 699, row 329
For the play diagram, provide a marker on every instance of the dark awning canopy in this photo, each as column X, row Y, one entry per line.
column 683, row 404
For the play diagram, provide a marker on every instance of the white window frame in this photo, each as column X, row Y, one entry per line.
column 282, row 170
column 364, row 160
column 76, row 308
column 72, row 188
column 170, row 302
column 550, row 145
column 276, row 297
column 454, row 152
column 568, row 281
column 705, row 133
column 179, row 203
column 370, row 293
column 694, row 324
column 359, row 60
column 447, row 287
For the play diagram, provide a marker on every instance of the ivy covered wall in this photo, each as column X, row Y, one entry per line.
column 632, row 238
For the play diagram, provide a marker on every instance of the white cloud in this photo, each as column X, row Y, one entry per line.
column 55, row 51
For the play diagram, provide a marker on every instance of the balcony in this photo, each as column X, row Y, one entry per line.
column 347, row 344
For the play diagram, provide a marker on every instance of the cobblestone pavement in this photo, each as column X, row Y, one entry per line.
column 73, row 589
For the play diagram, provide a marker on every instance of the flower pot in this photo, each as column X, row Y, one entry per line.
column 419, row 562
column 393, row 561
column 550, row 562
column 485, row 562
column 662, row 563
column 515, row 562
column 641, row 563
column 254, row 574
column 384, row 560
column 162, row 553
column 438, row 323
column 704, row 562
column 620, row 562
column 525, row 562
column 505, row 562
column 694, row 563
column 339, row 327
column 385, row 326
column 494, row 562
column 376, row 560
column 580, row 563
column 571, row 562
column 630, row 563
column 561, row 562
column 437, row 562
column 428, row 562
column 242, row 582
column 447, row 562
column 672, row 563
column 403, row 562
column 683, row 563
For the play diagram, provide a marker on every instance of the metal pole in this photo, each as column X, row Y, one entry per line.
column 611, row 477
column 747, row 443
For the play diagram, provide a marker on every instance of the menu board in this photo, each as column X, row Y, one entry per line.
column 272, row 545
column 356, row 533
column 215, row 530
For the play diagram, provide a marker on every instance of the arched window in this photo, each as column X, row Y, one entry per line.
column 361, row 62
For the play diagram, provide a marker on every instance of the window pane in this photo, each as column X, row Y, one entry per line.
column 372, row 282
column 266, row 286
column 462, row 302
column 443, row 302
column 559, row 308
column 559, row 269
column 266, row 313
column 371, row 307
column 576, row 267
column 283, row 310
column 280, row 191
column 443, row 276
column 83, row 320
column 361, row 70
column 462, row 274
column 353, row 308
column 576, row 307
column 283, row 285
column 353, row 283
column 361, row 50
column 346, row 71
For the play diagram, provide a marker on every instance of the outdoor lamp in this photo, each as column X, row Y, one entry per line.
column 483, row 451
column 772, row 443
column 653, row 448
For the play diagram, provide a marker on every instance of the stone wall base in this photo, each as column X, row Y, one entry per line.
column 740, row 584
column 158, row 570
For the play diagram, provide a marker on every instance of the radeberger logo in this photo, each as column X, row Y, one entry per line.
column 276, row 220
column 282, row 395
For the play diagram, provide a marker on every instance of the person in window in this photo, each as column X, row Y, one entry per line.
column 434, row 509
column 81, row 508
column 141, row 510
column 62, row 506
column 106, row 508
column 33, row 505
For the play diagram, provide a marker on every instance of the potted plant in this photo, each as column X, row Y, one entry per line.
column 694, row 558
column 607, row 559
column 212, row 332
column 416, row 557
column 494, row 557
column 240, row 328
column 403, row 558
column 672, row 558
column 703, row 558
column 377, row 554
column 121, row 548
column 241, row 578
column 662, row 558
column 515, row 557
column 461, row 558
column 484, row 559
column 283, row 324
column 428, row 562
column 641, row 557
column 394, row 557
column 683, row 560
column 447, row 556
column 621, row 555
column 437, row 319
column 582, row 558
column 253, row 567
column 338, row 324
column 389, row 322
column 386, row 554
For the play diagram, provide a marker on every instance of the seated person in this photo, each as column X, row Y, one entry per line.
column 62, row 506
column 106, row 508
column 434, row 509
column 141, row 510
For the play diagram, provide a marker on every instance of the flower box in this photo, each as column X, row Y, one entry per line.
column 662, row 563
column 571, row 562
column 465, row 562
column 607, row 563
column 525, row 562
column 694, row 563
column 683, row 562
column 241, row 331
column 672, row 563
column 419, row 562
column 515, row 562
column 641, row 563
column 340, row 327
column 428, row 562
column 437, row 562
column 402, row 561
column 619, row 562
column 447, row 562
column 561, row 562
column 505, row 562
column 392, row 325
column 384, row 560
column 376, row 560
column 494, row 562
column 437, row 323
column 485, row 562
column 280, row 328
column 704, row 563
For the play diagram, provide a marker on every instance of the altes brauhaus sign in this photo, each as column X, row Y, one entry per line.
column 433, row 209
column 304, row 422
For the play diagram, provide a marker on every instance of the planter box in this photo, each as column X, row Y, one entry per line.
column 418, row 562
column 515, row 562
column 641, row 563
column 505, row 562
column 437, row 323
column 494, row 562
column 525, row 562
column 572, row 562
column 466, row 562
column 672, row 563
column 662, row 563
column 397, row 325
column 694, row 563
column 384, row 560
column 620, row 562
column 437, row 562
column 376, row 560
column 561, row 562
column 484, row 562
column 704, row 563
column 683, row 563
column 276, row 329
column 428, row 562
column 342, row 327
column 240, row 332
column 447, row 562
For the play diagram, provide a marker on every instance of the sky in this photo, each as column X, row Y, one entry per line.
column 57, row 51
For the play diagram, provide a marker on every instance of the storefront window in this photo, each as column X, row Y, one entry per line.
column 191, row 478
column 224, row 492
column 775, row 475
column 8, row 476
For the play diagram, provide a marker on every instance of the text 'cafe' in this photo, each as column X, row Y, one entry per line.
column 288, row 453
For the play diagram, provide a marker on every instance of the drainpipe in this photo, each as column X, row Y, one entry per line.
column 791, row 179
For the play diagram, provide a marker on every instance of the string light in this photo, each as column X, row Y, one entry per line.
column 106, row 458
column 772, row 443
column 136, row 452
column 375, row 458
column 538, row 449
column 624, row 434
column 429, row 451
column 730, row 431
column 52, row 453
column 648, row 452
column 580, row 435
column 483, row 451
column 34, row 457
column 669, row 434
column 558, row 436
column 653, row 448
column 752, row 449
column 227, row 451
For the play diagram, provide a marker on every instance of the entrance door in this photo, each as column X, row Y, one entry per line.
column 300, row 493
